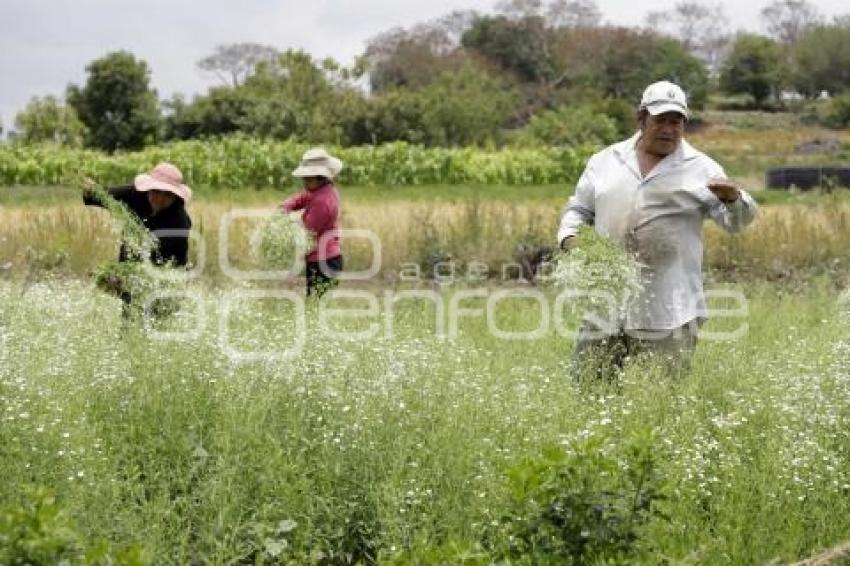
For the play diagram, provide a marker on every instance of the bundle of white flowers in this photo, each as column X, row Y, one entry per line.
column 278, row 241
column 600, row 272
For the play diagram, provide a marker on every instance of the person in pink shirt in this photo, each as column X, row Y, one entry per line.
column 320, row 202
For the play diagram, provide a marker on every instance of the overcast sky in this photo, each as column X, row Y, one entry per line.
column 45, row 44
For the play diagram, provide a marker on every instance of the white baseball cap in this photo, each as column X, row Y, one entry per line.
column 664, row 96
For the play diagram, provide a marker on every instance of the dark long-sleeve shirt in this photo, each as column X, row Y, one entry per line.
column 174, row 248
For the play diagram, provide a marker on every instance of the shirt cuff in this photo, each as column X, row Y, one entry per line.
column 711, row 200
column 738, row 202
column 564, row 235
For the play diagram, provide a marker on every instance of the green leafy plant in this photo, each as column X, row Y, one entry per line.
column 40, row 532
column 37, row 532
column 238, row 162
column 581, row 505
column 142, row 284
column 833, row 113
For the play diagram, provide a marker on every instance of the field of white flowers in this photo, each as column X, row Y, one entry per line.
column 120, row 445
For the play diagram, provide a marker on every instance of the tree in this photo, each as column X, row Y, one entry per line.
column 49, row 120
column 293, row 96
column 618, row 63
column 520, row 9
column 835, row 112
column 516, row 45
column 234, row 62
column 753, row 67
column 117, row 105
column 454, row 24
column 558, row 65
column 464, row 107
column 700, row 27
column 393, row 115
column 461, row 107
column 785, row 20
column 573, row 14
column 416, row 57
column 673, row 62
column 822, row 58
column 221, row 111
column 558, row 13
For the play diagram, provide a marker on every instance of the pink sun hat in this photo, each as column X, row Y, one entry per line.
column 164, row 177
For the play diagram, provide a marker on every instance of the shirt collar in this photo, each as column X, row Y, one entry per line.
column 627, row 151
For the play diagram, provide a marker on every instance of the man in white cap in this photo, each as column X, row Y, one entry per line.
column 651, row 194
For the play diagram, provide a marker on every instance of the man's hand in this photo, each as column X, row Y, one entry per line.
column 725, row 189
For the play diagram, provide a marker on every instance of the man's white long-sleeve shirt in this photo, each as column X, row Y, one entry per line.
column 659, row 217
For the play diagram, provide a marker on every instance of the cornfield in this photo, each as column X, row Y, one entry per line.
column 239, row 162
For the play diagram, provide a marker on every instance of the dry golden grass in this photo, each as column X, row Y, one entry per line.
column 779, row 141
column 785, row 240
column 746, row 154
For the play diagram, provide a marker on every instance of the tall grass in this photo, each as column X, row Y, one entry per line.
column 786, row 241
column 412, row 449
column 474, row 237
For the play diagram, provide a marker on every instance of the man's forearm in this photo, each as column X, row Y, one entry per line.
column 574, row 218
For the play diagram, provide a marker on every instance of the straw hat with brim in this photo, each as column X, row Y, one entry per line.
column 317, row 162
column 164, row 177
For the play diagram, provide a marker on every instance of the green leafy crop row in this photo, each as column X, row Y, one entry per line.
column 241, row 162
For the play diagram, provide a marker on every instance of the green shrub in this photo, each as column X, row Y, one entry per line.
column 584, row 505
column 833, row 113
column 570, row 126
column 40, row 532
column 37, row 532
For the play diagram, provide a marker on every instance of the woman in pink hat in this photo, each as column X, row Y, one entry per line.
column 320, row 202
column 158, row 199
